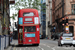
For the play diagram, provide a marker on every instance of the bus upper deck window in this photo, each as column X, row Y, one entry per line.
column 28, row 14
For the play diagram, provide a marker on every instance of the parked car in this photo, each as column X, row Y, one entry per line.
column 56, row 36
column 66, row 39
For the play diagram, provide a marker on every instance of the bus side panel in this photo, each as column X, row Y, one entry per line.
column 38, row 30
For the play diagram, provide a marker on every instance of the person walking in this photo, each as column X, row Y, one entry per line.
column 11, row 36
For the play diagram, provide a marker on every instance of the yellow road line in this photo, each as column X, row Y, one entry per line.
column 14, row 48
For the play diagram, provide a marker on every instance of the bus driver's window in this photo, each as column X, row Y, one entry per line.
column 30, row 29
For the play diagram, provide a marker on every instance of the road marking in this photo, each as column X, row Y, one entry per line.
column 16, row 48
column 35, row 48
column 58, row 47
column 24, row 48
column 67, row 47
column 28, row 48
column 32, row 48
column 41, row 48
column 48, row 46
column 62, row 47
column 43, row 44
column 20, row 48
column 53, row 48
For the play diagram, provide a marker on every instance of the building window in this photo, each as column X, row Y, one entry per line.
column 73, row 8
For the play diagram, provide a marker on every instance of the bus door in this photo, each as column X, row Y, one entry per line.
column 20, row 35
column 29, row 34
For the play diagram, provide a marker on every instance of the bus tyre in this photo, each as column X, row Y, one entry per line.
column 73, row 45
column 20, row 44
column 37, row 44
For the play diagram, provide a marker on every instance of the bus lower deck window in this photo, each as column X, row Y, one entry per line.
column 30, row 29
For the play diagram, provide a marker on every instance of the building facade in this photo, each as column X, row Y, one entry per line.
column 43, row 18
column 4, row 16
column 48, row 18
column 62, row 9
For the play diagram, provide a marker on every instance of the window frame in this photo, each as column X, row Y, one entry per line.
column 72, row 8
column 29, row 30
column 29, row 14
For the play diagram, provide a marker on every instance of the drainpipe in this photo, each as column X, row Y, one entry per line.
column 3, row 19
column 63, row 8
column 63, row 14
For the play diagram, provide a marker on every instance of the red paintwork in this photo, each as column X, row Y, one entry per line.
column 26, row 41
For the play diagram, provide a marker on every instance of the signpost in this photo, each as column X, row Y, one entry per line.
column 67, row 29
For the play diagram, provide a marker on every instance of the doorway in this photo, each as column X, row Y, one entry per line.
column 71, row 29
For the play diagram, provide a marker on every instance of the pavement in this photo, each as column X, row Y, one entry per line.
column 14, row 42
column 45, row 44
column 8, row 48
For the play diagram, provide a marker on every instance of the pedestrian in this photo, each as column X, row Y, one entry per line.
column 11, row 36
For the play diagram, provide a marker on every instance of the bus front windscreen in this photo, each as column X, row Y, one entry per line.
column 30, row 29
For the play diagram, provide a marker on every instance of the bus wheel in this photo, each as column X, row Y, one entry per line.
column 37, row 44
column 20, row 44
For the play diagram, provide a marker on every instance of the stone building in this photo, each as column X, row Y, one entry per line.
column 48, row 17
column 62, row 9
column 5, row 16
column 43, row 18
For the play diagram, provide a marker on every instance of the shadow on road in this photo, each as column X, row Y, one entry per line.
column 24, row 45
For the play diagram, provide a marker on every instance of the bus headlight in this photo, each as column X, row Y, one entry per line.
column 25, row 35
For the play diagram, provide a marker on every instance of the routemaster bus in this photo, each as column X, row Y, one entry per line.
column 28, row 27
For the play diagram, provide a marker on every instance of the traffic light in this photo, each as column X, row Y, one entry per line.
column 66, row 19
column 63, row 22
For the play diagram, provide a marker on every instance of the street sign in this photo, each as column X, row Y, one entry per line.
column 67, row 27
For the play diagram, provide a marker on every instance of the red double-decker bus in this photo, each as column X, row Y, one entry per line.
column 28, row 26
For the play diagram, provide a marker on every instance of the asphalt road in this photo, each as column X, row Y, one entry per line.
column 45, row 44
